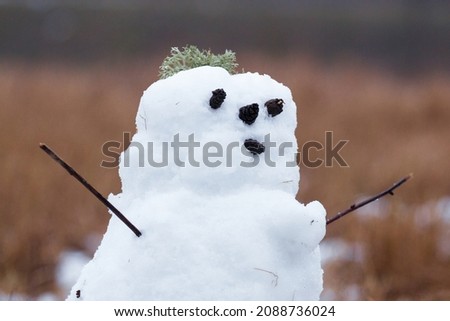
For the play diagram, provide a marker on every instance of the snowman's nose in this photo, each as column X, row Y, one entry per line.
column 254, row 147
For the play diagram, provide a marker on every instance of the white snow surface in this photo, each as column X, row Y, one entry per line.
column 228, row 232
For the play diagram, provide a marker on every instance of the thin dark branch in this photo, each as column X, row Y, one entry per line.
column 91, row 189
column 354, row 207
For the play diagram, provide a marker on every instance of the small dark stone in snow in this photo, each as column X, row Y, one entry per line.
column 249, row 113
column 254, row 147
column 274, row 106
column 217, row 98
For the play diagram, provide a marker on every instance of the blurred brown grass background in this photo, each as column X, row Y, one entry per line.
column 395, row 125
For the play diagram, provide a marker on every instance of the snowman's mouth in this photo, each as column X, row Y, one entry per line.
column 254, row 147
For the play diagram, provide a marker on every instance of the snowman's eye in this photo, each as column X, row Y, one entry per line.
column 274, row 106
column 249, row 113
column 217, row 98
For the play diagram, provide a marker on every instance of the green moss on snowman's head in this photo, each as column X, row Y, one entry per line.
column 191, row 57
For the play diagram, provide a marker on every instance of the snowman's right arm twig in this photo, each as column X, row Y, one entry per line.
column 369, row 200
column 90, row 188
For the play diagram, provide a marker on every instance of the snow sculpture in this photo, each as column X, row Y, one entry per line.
column 210, row 179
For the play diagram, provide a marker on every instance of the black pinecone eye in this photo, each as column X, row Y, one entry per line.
column 254, row 147
column 249, row 113
column 274, row 106
column 217, row 98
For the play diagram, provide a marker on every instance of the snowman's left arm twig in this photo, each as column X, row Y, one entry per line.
column 354, row 207
column 90, row 188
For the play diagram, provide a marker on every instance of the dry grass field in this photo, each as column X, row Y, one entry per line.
column 396, row 125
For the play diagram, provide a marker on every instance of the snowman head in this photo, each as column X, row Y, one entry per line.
column 205, row 128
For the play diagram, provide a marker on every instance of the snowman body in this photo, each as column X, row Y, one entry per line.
column 210, row 179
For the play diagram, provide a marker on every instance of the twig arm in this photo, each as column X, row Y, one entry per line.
column 354, row 207
column 90, row 188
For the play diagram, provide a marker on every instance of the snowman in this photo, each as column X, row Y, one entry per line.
column 210, row 179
